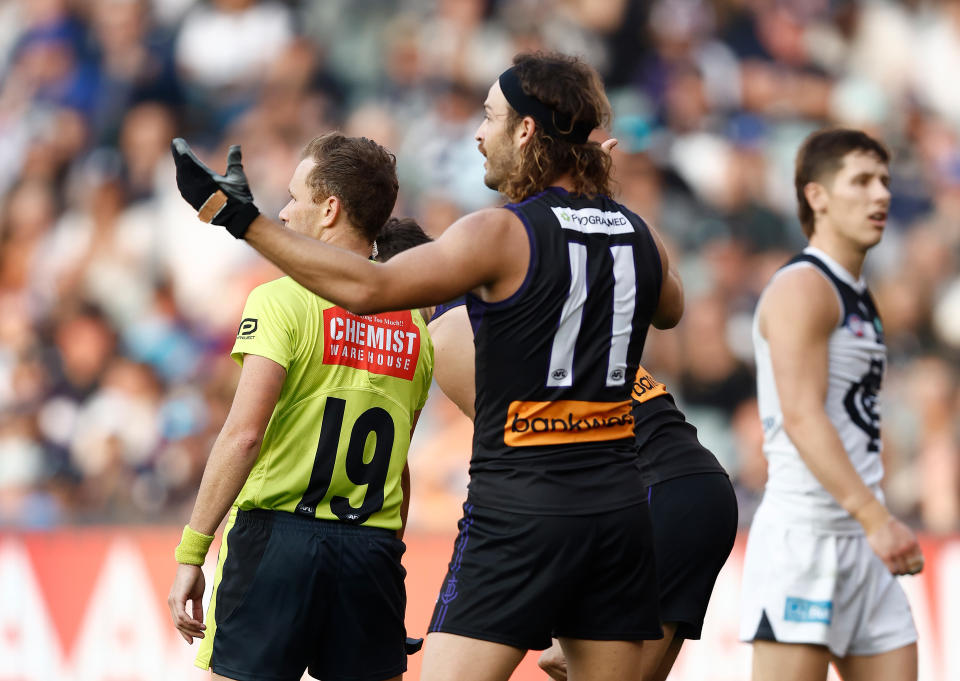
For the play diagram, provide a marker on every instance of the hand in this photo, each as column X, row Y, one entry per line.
column 553, row 662
column 897, row 547
column 188, row 585
column 890, row 539
column 224, row 200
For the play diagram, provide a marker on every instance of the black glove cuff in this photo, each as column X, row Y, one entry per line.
column 238, row 223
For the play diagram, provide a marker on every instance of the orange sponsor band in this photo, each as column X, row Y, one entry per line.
column 646, row 387
column 566, row 421
column 212, row 206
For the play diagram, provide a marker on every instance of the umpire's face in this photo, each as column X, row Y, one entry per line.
column 302, row 213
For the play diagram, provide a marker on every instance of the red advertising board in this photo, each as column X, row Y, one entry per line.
column 90, row 605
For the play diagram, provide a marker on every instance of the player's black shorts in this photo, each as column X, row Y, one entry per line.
column 298, row 593
column 521, row 579
column 694, row 526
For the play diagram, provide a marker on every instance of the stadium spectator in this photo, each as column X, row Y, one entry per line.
column 882, row 63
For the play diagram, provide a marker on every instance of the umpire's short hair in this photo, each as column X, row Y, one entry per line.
column 359, row 172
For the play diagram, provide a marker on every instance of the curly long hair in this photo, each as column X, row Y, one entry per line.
column 568, row 86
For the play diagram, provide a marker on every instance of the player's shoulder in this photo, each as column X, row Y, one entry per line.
column 279, row 286
column 486, row 234
column 800, row 293
column 497, row 217
column 285, row 288
column 800, row 279
column 286, row 297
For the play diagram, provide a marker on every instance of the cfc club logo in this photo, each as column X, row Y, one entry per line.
column 248, row 327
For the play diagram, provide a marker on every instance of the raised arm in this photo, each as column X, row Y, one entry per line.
column 486, row 252
column 482, row 251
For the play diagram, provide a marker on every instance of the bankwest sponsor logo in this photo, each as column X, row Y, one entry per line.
column 592, row 220
column 646, row 387
column 387, row 344
column 566, row 421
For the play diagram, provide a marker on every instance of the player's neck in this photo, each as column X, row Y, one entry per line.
column 564, row 182
column 847, row 254
column 347, row 239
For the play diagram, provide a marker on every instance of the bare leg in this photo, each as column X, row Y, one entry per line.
column 448, row 656
column 603, row 660
column 773, row 661
column 669, row 656
column 657, row 657
column 895, row 665
column 217, row 677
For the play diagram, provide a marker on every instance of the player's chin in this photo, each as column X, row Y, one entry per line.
column 873, row 235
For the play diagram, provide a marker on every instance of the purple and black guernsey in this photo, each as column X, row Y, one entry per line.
column 556, row 361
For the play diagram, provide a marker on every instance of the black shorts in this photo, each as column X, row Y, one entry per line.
column 522, row 579
column 299, row 593
column 694, row 527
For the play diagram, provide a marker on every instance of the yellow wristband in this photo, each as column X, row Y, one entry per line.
column 193, row 547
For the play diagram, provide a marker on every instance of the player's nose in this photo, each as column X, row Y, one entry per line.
column 881, row 193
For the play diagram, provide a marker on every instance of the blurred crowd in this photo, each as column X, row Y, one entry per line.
column 118, row 308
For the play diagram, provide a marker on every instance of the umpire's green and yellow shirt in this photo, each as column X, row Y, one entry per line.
column 337, row 442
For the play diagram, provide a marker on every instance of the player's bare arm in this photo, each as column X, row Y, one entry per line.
column 468, row 257
column 231, row 459
column 454, row 367
column 670, row 307
column 486, row 251
column 798, row 312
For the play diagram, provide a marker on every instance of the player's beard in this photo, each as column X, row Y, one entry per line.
column 501, row 164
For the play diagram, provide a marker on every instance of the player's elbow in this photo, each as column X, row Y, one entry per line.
column 244, row 442
column 670, row 307
column 368, row 296
column 797, row 420
column 667, row 319
column 364, row 300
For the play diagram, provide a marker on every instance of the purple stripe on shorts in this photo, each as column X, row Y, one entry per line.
column 449, row 592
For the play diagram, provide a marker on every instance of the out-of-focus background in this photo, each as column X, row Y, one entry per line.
column 118, row 308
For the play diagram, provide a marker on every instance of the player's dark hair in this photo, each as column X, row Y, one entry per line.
column 397, row 235
column 572, row 89
column 359, row 172
column 821, row 156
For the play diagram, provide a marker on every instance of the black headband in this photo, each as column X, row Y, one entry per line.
column 554, row 123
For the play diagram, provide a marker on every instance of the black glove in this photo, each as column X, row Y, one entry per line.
column 224, row 200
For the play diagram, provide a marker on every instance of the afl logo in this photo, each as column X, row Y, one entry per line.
column 616, row 375
column 248, row 327
column 856, row 325
column 559, row 374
